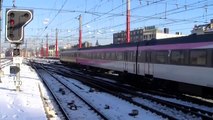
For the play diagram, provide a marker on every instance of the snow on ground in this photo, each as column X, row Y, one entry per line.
column 119, row 109
column 23, row 105
column 190, row 104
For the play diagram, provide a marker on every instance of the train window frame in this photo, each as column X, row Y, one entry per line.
column 183, row 57
column 196, row 50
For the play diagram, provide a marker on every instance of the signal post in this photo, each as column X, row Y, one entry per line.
column 16, row 20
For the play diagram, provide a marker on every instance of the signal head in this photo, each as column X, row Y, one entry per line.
column 16, row 20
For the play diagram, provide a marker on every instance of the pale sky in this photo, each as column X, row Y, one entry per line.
column 101, row 18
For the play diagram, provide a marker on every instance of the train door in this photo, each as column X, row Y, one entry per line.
column 148, row 66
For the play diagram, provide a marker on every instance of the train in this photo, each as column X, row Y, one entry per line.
column 180, row 64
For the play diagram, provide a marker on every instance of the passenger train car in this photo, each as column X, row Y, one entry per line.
column 182, row 63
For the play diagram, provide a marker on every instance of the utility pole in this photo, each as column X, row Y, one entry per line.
column 56, row 44
column 128, row 21
column 14, row 3
column 1, row 72
column 80, row 31
column 47, row 48
column 42, row 49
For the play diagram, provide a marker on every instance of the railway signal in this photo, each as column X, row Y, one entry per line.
column 16, row 52
column 16, row 20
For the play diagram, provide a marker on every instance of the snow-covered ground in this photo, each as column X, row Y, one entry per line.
column 23, row 105
column 118, row 108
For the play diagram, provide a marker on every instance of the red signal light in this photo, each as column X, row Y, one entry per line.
column 12, row 22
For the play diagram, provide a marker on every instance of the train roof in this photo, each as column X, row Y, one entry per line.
column 181, row 40
column 177, row 40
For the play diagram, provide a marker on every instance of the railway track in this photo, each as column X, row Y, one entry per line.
column 136, row 97
column 5, row 63
column 62, row 110
column 60, row 94
column 166, row 94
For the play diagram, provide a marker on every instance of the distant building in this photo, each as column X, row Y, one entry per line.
column 135, row 36
column 148, row 33
column 68, row 46
column 203, row 29
column 52, row 50
column 84, row 45
column 27, row 52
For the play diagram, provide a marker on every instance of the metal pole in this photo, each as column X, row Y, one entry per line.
column 18, row 81
column 128, row 22
column 1, row 72
column 47, row 47
column 14, row 3
column 56, row 44
column 80, row 31
column 42, row 49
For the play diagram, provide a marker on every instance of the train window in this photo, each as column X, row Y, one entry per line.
column 134, row 56
column 152, row 57
column 198, row 57
column 94, row 55
column 177, row 57
column 99, row 55
column 89, row 55
column 113, row 56
column 107, row 55
column 131, row 56
column 141, row 56
column 102, row 55
column 161, row 57
column 119, row 55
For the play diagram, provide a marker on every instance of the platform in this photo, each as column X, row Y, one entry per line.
column 24, row 105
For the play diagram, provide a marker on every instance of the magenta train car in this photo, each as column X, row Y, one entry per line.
column 182, row 63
